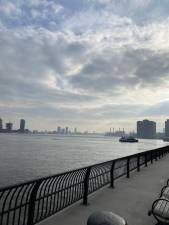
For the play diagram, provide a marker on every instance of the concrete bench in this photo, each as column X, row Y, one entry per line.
column 105, row 218
column 165, row 192
column 160, row 207
column 160, row 210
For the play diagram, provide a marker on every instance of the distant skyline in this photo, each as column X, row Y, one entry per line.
column 91, row 64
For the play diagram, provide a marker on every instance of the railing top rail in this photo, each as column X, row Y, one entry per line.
column 74, row 170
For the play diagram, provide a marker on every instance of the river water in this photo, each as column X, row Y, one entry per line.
column 25, row 157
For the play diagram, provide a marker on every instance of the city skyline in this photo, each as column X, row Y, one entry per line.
column 145, row 128
column 87, row 63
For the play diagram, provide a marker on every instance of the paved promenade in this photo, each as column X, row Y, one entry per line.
column 131, row 198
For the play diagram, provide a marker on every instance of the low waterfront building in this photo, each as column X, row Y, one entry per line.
column 66, row 130
column 9, row 126
column 35, row 132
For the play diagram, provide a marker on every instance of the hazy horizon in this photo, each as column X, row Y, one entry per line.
column 90, row 64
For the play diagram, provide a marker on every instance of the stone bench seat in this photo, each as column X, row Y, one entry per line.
column 160, row 210
column 165, row 192
column 105, row 218
column 160, row 207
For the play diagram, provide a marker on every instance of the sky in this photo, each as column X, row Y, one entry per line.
column 90, row 64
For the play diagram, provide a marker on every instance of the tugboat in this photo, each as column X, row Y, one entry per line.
column 129, row 139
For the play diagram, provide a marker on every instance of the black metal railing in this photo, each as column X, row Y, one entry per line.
column 30, row 202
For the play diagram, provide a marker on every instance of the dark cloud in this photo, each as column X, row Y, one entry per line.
column 132, row 68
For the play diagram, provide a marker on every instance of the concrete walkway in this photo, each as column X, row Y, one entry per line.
column 131, row 198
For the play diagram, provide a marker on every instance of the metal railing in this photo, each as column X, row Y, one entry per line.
column 30, row 202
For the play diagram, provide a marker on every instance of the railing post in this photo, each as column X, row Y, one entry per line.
column 31, row 209
column 159, row 154
column 155, row 155
column 128, row 167
column 145, row 157
column 112, row 175
column 138, row 163
column 151, row 157
column 86, row 186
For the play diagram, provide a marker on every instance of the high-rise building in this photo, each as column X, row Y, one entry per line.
column 139, row 129
column 75, row 130
column 62, row 130
column 66, row 130
column 167, row 128
column 9, row 126
column 1, row 124
column 58, row 130
column 146, row 129
column 22, row 125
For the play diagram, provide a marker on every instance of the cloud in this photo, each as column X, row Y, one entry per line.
column 9, row 9
column 159, row 109
column 91, row 61
column 115, row 73
column 34, row 66
column 36, row 13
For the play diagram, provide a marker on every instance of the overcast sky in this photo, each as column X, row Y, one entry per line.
column 90, row 64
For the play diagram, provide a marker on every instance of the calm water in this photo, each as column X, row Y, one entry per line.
column 24, row 157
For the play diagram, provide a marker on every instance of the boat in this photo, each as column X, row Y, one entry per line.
column 129, row 139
